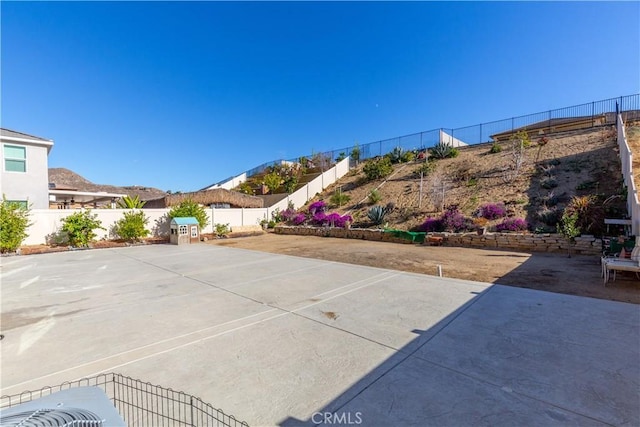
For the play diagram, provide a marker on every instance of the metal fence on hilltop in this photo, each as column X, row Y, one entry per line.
column 583, row 116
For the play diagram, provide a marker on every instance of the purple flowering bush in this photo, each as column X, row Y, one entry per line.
column 454, row 220
column 316, row 207
column 343, row 220
column 318, row 218
column 451, row 220
column 513, row 224
column 432, row 225
column 492, row 211
column 299, row 219
column 288, row 214
column 333, row 219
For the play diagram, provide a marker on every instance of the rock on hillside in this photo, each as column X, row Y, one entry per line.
column 67, row 179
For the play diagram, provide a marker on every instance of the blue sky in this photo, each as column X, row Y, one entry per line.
column 178, row 95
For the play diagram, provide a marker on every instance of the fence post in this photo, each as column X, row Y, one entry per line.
column 242, row 217
column 480, row 140
column 191, row 405
column 593, row 112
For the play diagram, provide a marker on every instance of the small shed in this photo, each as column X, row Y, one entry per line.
column 184, row 231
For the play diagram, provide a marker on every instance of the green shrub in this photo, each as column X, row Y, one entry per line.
column 272, row 181
column 590, row 214
column 408, row 156
column 495, row 148
column 425, row 168
column 189, row 208
column 377, row 214
column 80, row 227
column 587, row 185
column 245, row 188
column 290, row 183
column 339, row 198
column 522, row 137
column 549, row 216
column 568, row 226
column 355, row 153
column 377, row 168
column 132, row 226
column 222, row 229
column 443, row 150
column 374, row 196
column 548, row 182
column 14, row 221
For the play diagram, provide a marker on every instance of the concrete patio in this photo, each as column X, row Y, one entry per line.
column 281, row 340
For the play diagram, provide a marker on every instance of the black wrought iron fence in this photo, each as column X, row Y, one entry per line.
column 583, row 116
column 140, row 403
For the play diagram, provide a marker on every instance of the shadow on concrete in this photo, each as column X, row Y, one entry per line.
column 422, row 339
column 507, row 357
column 575, row 275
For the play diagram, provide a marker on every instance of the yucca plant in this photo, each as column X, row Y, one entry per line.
column 377, row 214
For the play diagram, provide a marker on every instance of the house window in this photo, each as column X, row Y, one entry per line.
column 194, row 231
column 15, row 158
column 184, row 230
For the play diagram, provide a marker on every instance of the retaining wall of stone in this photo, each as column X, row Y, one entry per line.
column 585, row 245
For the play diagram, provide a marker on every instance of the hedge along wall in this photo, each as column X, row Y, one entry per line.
column 585, row 245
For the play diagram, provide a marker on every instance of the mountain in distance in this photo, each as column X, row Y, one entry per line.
column 66, row 179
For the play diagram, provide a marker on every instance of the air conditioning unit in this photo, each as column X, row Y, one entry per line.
column 77, row 407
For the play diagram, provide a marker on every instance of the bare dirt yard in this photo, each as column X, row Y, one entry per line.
column 578, row 275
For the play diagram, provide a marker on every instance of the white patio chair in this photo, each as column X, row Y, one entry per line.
column 615, row 264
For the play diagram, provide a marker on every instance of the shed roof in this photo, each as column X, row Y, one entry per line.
column 187, row 220
column 208, row 197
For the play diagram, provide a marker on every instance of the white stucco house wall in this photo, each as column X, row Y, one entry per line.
column 450, row 140
column 25, row 168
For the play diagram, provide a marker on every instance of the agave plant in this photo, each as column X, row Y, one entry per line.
column 396, row 155
column 442, row 150
column 377, row 214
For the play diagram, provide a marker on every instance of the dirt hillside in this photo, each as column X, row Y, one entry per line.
column 552, row 170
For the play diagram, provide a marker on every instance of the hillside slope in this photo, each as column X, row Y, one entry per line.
column 553, row 170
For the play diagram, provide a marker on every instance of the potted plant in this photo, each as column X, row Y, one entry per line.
column 481, row 225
